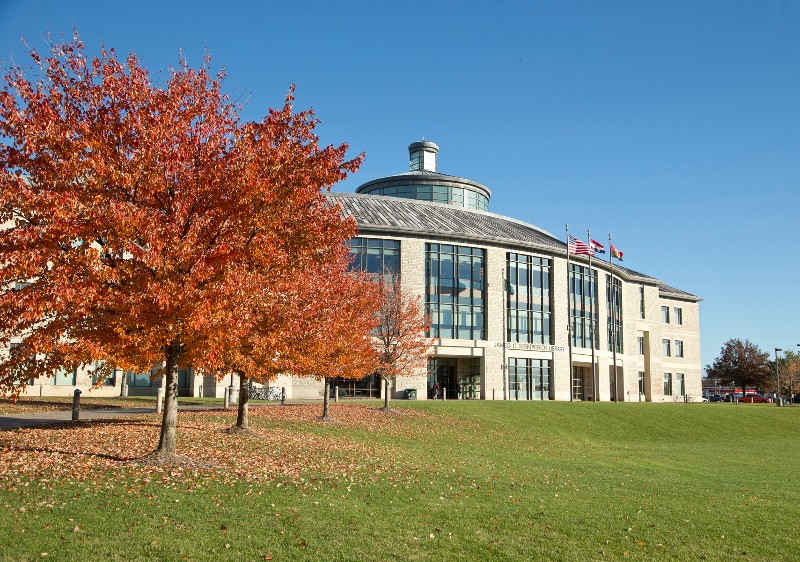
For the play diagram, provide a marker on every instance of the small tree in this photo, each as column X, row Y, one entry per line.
column 789, row 368
column 338, row 343
column 400, row 342
column 741, row 363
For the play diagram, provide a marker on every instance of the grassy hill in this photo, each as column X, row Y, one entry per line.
column 442, row 481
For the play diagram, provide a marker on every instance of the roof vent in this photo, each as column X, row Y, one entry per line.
column 422, row 156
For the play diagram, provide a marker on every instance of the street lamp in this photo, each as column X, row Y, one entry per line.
column 777, row 377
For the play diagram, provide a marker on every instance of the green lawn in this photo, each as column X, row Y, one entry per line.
column 447, row 481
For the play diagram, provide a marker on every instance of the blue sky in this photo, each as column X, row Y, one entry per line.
column 673, row 125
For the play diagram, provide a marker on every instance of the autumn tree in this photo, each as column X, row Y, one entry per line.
column 741, row 363
column 401, row 346
column 317, row 324
column 135, row 212
column 789, row 369
column 338, row 341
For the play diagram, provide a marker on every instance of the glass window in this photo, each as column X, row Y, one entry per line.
column 678, row 315
column 668, row 384
column 614, row 317
column 641, row 301
column 454, row 295
column 111, row 378
column 640, row 344
column 665, row 314
column 529, row 379
column 63, row 377
column 680, row 384
column 678, row 348
column 583, row 305
column 528, row 298
column 665, row 351
column 375, row 255
column 641, row 382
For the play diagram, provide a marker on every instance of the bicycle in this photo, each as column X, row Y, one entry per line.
column 258, row 394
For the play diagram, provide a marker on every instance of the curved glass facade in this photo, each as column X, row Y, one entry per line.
column 458, row 196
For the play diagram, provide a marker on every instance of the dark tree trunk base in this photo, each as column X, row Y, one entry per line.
column 243, row 431
column 389, row 410
column 160, row 458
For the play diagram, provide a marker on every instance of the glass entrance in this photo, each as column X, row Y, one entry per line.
column 529, row 379
column 443, row 370
column 469, row 386
column 582, row 387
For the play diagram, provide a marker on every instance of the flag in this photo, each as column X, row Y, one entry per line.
column 597, row 246
column 616, row 253
column 578, row 247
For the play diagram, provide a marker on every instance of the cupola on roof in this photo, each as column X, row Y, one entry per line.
column 424, row 183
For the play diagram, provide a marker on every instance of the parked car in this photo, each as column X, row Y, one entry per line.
column 796, row 399
column 715, row 398
column 755, row 399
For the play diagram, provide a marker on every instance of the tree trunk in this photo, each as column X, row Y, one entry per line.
column 325, row 400
column 170, row 419
column 242, row 420
column 386, row 395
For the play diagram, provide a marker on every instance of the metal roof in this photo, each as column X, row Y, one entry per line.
column 385, row 215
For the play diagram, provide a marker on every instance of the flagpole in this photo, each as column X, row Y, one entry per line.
column 569, row 319
column 613, row 315
column 591, row 315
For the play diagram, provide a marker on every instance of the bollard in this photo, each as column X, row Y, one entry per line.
column 159, row 394
column 283, row 395
column 76, row 404
column 493, row 394
column 444, row 394
column 226, row 399
column 231, row 390
column 40, row 390
column 336, row 394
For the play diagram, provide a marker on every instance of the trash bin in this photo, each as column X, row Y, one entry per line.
column 411, row 394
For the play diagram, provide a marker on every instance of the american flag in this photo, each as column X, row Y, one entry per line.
column 579, row 248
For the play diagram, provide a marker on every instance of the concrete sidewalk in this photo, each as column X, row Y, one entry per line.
column 34, row 419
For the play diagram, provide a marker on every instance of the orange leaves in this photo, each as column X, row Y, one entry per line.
column 148, row 213
column 401, row 343
column 105, row 453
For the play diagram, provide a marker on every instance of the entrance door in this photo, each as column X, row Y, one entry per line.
column 577, row 383
column 443, row 371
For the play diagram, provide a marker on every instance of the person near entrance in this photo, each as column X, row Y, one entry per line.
column 436, row 391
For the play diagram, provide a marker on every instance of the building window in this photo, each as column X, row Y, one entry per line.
column 529, row 379
column 678, row 315
column 528, row 299
column 641, row 301
column 374, row 255
column 64, row 377
column 665, row 349
column 678, row 348
column 143, row 379
column 614, row 317
column 641, row 382
column 665, row 314
column 455, row 293
column 111, row 378
column 667, row 384
column 583, row 305
column 680, row 384
column 640, row 344
column 457, row 196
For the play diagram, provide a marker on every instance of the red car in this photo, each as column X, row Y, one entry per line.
column 756, row 399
